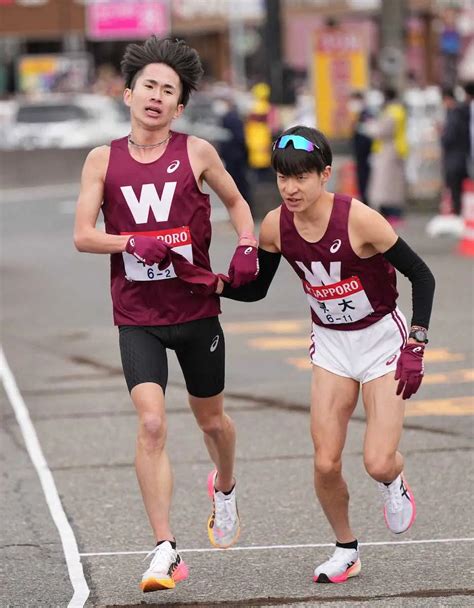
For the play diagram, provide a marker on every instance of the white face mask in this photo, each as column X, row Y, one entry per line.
column 355, row 105
column 220, row 107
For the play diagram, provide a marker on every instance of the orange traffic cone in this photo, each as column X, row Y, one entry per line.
column 466, row 244
column 348, row 179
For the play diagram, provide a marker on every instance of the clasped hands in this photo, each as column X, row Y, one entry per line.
column 243, row 266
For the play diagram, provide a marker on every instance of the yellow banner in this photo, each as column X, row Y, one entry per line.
column 339, row 67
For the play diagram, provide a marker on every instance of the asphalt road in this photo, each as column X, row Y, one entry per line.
column 62, row 350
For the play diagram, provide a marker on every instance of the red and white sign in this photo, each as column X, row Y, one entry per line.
column 347, row 287
column 119, row 20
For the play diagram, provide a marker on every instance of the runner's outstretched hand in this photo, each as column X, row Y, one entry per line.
column 243, row 266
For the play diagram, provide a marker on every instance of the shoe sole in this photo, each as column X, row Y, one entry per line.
column 413, row 515
column 354, row 570
column 210, row 492
column 159, row 584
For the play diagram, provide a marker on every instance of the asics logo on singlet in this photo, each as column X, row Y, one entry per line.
column 417, row 349
column 174, row 165
column 335, row 246
column 214, row 344
column 248, row 251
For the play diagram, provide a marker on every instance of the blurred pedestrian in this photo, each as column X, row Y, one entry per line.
column 361, row 141
column 455, row 146
column 387, row 186
column 345, row 255
column 233, row 151
column 148, row 186
column 469, row 90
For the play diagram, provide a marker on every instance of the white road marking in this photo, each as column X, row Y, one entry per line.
column 279, row 547
column 68, row 540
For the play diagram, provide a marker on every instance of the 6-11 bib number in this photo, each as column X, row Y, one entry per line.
column 343, row 302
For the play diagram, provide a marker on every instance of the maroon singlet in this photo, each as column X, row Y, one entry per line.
column 345, row 292
column 158, row 199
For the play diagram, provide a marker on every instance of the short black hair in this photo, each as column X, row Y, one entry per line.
column 448, row 92
column 390, row 93
column 175, row 53
column 289, row 161
column 469, row 88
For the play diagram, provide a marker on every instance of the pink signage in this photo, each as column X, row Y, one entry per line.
column 122, row 20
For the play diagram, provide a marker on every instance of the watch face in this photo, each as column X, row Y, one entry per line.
column 420, row 335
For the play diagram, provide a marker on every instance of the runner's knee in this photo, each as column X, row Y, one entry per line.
column 152, row 430
column 326, row 466
column 212, row 425
column 379, row 465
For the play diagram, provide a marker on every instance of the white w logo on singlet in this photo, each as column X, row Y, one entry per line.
column 149, row 198
column 318, row 274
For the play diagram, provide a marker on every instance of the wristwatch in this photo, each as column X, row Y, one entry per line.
column 420, row 334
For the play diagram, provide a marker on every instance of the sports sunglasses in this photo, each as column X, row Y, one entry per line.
column 299, row 143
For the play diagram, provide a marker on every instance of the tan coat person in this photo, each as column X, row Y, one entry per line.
column 387, row 187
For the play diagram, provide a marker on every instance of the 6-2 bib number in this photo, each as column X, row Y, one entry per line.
column 179, row 239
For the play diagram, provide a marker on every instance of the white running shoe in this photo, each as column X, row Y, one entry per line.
column 399, row 505
column 344, row 564
column 223, row 525
column 166, row 569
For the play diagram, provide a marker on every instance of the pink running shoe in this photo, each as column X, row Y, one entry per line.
column 166, row 569
column 344, row 564
column 223, row 525
column 399, row 505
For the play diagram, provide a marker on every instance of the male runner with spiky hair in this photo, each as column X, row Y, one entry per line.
column 149, row 187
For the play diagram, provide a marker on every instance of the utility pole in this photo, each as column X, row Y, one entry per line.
column 236, row 37
column 392, row 38
column 274, row 64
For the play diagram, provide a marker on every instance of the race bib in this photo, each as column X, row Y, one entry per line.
column 179, row 239
column 343, row 302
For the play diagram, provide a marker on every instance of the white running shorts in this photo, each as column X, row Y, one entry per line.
column 361, row 354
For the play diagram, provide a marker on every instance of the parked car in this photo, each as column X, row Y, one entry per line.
column 64, row 122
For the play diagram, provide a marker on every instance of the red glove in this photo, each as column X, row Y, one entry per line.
column 410, row 369
column 243, row 266
column 200, row 280
column 147, row 249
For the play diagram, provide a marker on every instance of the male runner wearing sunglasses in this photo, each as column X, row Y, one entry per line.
column 148, row 186
column 345, row 254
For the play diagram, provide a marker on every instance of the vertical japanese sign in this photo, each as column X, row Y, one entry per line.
column 339, row 67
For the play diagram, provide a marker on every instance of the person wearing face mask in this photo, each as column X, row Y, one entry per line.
column 233, row 151
column 387, row 186
column 455, row 147
column 361, row 142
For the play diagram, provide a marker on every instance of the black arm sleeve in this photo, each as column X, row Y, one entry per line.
column 404, row 259
column 256, row 290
